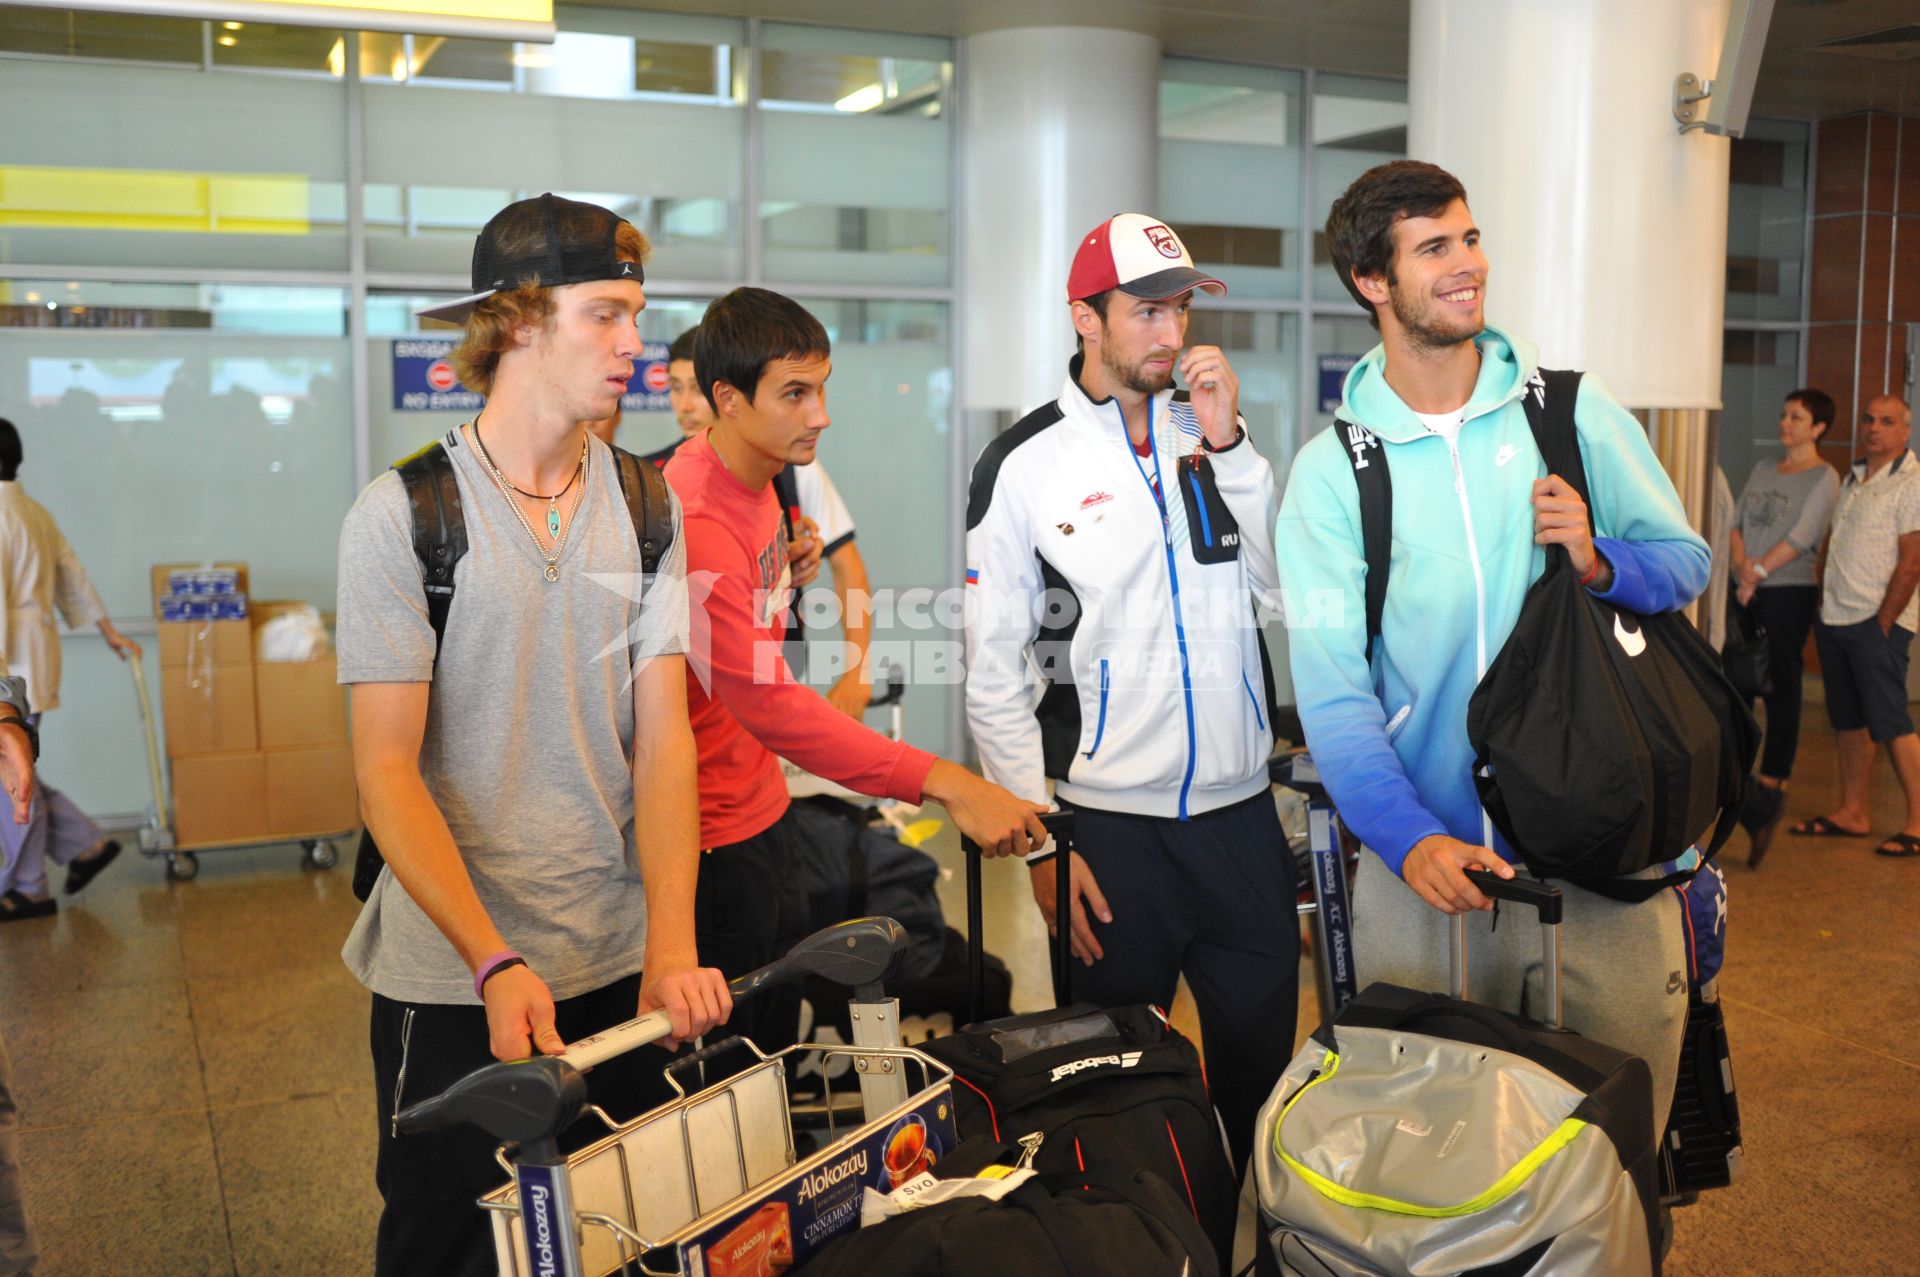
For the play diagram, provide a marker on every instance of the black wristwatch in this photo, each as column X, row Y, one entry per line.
column 1239, row 433
column 33, row 733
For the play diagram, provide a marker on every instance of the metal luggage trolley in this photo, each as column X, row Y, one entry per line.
column 708, row 1183
column 156, row 836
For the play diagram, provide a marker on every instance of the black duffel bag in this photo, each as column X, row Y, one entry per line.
column 1123, row 1224
column 1604, row 741
column 1747, row 655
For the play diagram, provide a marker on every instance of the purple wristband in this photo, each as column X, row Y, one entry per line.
column 485, row 970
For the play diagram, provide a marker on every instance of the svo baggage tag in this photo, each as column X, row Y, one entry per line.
column 1211, row 527
column 991, row 1182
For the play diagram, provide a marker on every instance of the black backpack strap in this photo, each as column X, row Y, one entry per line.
column 649, row 504
column 440, row 542
column 1368, row 457
column 1633, row 890
column 1549, row 400
column 786, row 489
column 439, row 528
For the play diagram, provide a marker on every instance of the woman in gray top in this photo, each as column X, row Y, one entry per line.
column 1782, row 519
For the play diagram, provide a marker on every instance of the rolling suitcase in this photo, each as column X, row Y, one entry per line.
column 1421, row 1133
column 1113, row 1090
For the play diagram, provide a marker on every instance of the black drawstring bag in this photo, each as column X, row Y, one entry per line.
column 1604, row 741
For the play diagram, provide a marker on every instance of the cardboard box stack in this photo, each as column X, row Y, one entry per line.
column 258, row 749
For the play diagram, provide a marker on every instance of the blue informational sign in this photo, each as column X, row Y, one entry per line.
column 647, row 392
column 1333, row 375
column 423, row 380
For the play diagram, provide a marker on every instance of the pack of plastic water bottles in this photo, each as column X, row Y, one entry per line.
column 203, row 594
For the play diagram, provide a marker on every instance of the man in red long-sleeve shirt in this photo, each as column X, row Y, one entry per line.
column 763, row 363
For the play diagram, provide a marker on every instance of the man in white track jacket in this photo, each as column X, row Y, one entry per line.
column 1115, row 549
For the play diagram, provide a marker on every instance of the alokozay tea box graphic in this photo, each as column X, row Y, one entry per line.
column 795, row 1216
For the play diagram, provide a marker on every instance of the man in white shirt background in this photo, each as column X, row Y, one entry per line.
column 1868, row 611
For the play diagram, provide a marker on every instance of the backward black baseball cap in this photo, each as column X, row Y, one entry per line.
column 548, row 242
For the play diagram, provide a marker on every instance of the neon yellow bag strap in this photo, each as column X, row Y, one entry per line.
column 1501, row 1188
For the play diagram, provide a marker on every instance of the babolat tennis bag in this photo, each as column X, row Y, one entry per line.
column 1112, row 1092
column 1423, row 1134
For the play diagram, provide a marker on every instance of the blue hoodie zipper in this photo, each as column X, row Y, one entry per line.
column 1157, row 490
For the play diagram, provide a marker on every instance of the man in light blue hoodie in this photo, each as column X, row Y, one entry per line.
column 1473, row 512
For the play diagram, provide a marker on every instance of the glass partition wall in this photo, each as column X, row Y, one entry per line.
column 215, row 234
column 1769, row 228
column 1251, row 159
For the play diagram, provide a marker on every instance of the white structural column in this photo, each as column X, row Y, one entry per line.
column 1061, row 128
column 1606, row 228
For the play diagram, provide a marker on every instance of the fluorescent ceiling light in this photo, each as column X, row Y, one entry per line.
column 862, row 99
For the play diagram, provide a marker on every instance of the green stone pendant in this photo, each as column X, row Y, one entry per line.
column 553, row 520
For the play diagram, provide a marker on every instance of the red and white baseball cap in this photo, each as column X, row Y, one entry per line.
column 1138, row 255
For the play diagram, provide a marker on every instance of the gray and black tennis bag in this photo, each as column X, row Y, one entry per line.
column 1424, row 1134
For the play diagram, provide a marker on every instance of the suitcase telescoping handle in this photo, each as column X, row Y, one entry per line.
column 1548, row 902
column 891, row 689
column 888, row 692
column 1060, row 825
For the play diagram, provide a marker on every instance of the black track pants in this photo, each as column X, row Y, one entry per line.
column 1212, row 898
column 429, row 1183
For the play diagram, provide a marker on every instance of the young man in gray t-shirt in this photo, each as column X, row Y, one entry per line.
column 532, row 785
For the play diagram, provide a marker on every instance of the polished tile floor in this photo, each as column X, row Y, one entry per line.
column 195, row 1091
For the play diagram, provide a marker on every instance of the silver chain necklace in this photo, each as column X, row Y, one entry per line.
column 555, row 531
